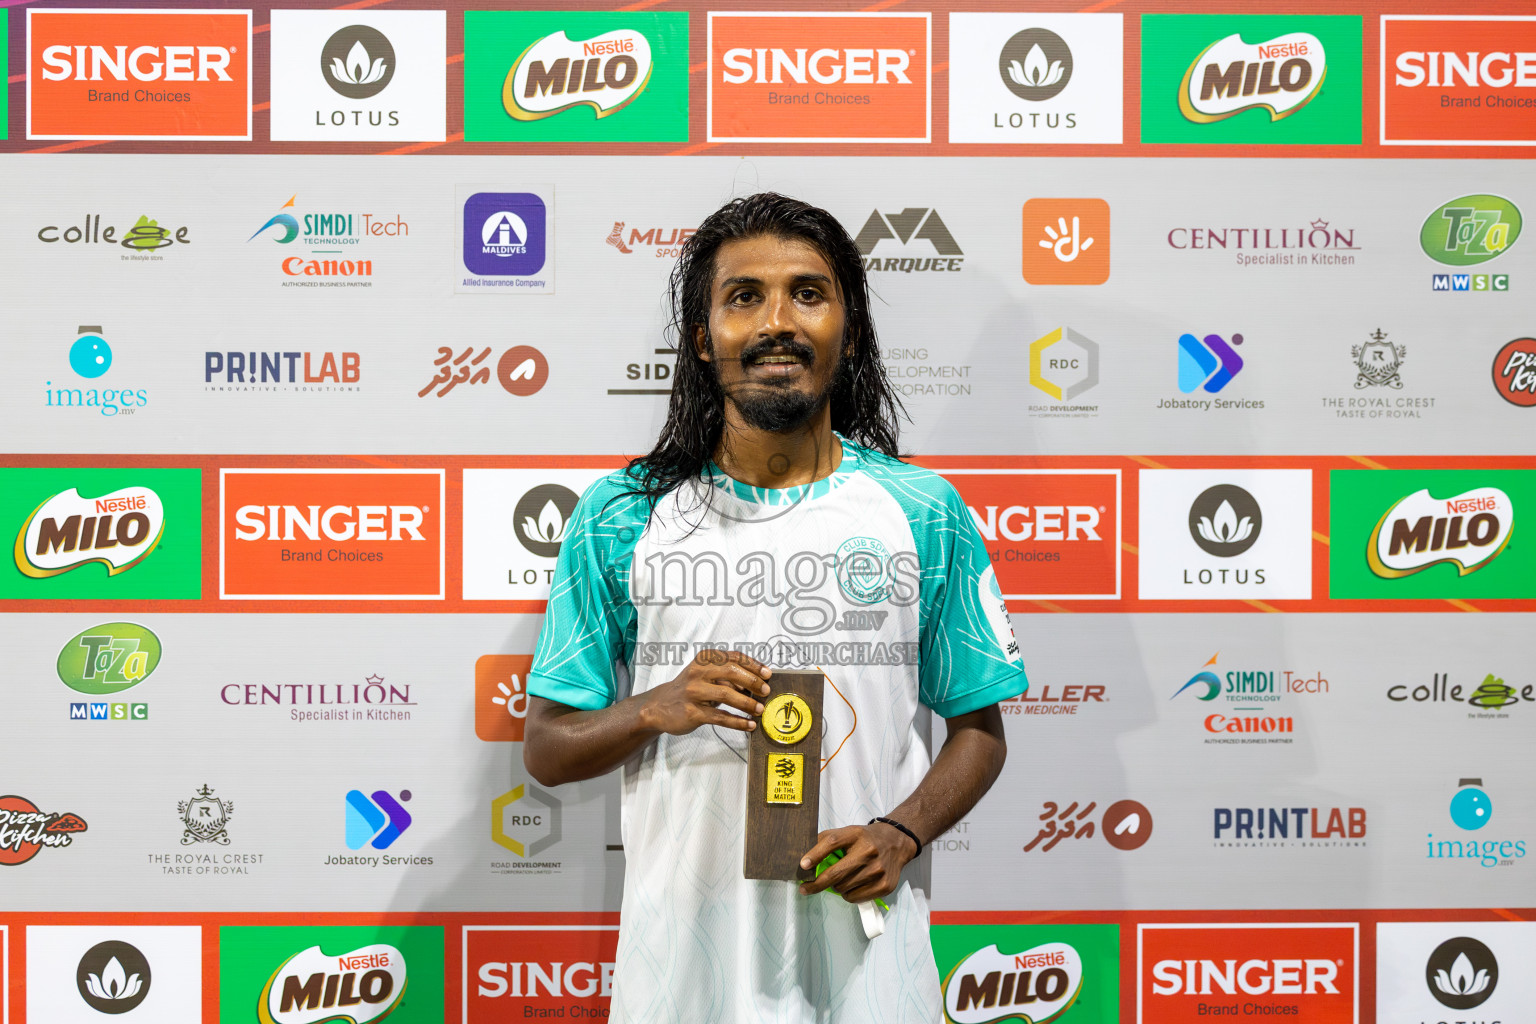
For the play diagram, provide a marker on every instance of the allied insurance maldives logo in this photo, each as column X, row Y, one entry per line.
column 331, row 534
column 818, row 77
column 112, row 74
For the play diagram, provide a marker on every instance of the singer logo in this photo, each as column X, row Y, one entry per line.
column 513, row 972
column 818, row 77
column 1467, row 531
column 331, row 534
column 107, row 74
column 1050, row 534
column 1457, row 80
column 1189, row 971
column 1066, row 241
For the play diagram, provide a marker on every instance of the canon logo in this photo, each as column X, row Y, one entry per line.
column 338, row 522
column 1251, row 977
column 1442, row 69
column 145, row 63
column 1039, row 522
column 826, row 66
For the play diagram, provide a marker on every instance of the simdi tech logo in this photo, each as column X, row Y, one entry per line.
column 102, row 533
column 103, row 73
column 594, row 76
column 818, row 76
column 1457, row 80
column 517, row 972
column 321, row 534
column 1434, row 533
column 1215, row 78
column 1030, row 974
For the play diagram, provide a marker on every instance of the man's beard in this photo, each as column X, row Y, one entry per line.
column 777, row 406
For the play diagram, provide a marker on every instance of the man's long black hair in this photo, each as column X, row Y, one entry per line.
column 865, row 408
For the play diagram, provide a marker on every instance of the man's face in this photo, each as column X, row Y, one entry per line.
column 775, row 335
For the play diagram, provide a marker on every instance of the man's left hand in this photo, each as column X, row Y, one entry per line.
column 871, row 866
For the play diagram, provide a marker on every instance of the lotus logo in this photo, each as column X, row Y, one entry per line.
column 1468, row 531
column 113, row 977
column 542, row 518
column 550, row 529
column 1460, row 982
column 1462, row 973
column 358, row 62
column 118, row 984
column 1230, row 76
column 1035, row 64
column 1225, row 520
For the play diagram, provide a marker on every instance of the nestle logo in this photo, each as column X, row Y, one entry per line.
column 608, row 46
column 358, row 963
column 1488, row 504
column 127, row 504
column 1283, row 50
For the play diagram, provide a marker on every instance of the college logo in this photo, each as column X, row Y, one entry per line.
column 909, row 226
column 505, row 241
column 1470, row 230
column 1236, row 534
column 1050, row 534
column 143, row 238
column 24, row 830
column 345, row 975
column 90, row 357
column 1251, row 78
column 501, row 696
column 1457, row 80
column 377, row 821
column 113, row 977
column 331, row 534
column 1125, row 825
column 205, row 818
column 1064, row 364
column 1491, row 695
column 818, row 77
column 1189, row 970
column 1471, row 810
column 1461, row 973
column 1514, row 372
column 1066, row 241
column 513, row 972
column 104, row 74
column 514, row 523
column 359, row 75
column 521, row 370
column 1028, row 973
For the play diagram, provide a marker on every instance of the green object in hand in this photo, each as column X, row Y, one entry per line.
column 833, row 858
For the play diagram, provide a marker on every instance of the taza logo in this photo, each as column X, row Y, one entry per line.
column 312, row 986
column 118, row 530
column 606, row 72
column 113, row 977
column 1035, row 64
column 1461, row 973
column 1036, row 985
column 1281, row 75
column 1468, row 531
column 1470, row 230
column 358, row 62
column 108, row 658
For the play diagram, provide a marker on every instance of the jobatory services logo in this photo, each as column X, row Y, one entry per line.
column 516, row 972
column 1050, row 534
column 1125, row 824
column 376, row 820
column 325, row 235
column 1425, row 968
column 1066, row 241
column 521, row 370
column 1471, row 810
column 77, row 974
column 90, row 358
column 25, row 830
column 343, row 76
column 1468, row 231
column 915, row 240
column 501, row 696
column 1208, row 363
column 514, row 523
column 818, row 76
column 590, row 76
column 144, row 238
column 1187, row 971
column 348, row 975
column 1514, row 372
column 102, row 533
column 1064, row 364
column 105, row 660
column 105, row 74
column 1225, row 534
column 506, row 240
column 1028, row 973
column 346, row 534
column 1457, row 80
column 1251, row 78
column 1035, row 78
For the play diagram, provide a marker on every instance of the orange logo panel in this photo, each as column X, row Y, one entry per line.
column 1457, row 81
column 1190, row 972
column 806, row 78
column 333, row 534
column 513, row 973
column 1066, row 241
column 501, row 696
column 111, row 74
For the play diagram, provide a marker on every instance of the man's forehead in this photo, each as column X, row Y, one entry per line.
column 766, row 259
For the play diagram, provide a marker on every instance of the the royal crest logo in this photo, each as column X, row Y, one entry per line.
column 1468, row 531
column 1034, row 986
column 557, row 73
column 24, row 830
column 206, row 818
column 1280, row 75
column 119, row 530
column 359, row 987
column 1378, row 362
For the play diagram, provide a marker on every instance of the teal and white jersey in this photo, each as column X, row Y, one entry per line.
column 874, row 575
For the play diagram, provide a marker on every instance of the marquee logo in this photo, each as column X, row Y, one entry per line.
column 108, row 74
column 1470, row 230
column 1457, row 80
column 1280, row 75
column 911, row 225
column 606, row 73
column 1468, row 531
column 117, row 530
column 24, row 830
column 1187, row 971
column 512, row 972
column 1036, row 984
column 357, row 987
column 818, row 77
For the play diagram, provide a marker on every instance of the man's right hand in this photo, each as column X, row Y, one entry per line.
column 712, row 682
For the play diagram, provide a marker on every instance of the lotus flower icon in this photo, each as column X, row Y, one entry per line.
column 114, row 983
column 358, row 61
column 1461, row 981
column 1225, row 527
column 1036, row 72
column 550, row 528
column 358, row 68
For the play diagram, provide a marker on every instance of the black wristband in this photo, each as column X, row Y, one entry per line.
column 909, row 834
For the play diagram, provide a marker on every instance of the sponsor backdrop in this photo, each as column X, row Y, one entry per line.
column 318, row 320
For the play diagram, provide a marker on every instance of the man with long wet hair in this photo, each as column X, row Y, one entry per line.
column 773, row 526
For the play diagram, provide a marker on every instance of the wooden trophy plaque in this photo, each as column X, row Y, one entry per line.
column 783, row 779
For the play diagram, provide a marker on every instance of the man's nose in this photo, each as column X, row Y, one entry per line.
column 778, row 315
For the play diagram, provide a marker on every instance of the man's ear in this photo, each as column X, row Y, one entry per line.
column 701, row 344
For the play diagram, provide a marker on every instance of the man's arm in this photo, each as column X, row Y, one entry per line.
column 968, row 763
column 565, row 744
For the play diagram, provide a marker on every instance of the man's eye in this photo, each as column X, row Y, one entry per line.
column 809, row 295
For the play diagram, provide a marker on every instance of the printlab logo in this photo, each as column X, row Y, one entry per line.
column 205, row 818
column 1125, row 825
column 90, row 357
column 283, row 371
column 113, row 977
column 1064, row 364
column 1035, row 64
column 1514, row 372
column 906, row 229
column 1208, row 364
column 24, row 830
column 1225, row 520
column 522, row 370
column 1066, row 241
column 1468, row 231
column 542, row 517
column 526, row 821
column 358, row 62
column 376, row 820
column 1461, row 973
column 501, row 696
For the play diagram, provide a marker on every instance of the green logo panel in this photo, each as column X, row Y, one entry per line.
column 110, row 533
column 575, row 76
column 1251, row 78
column 5, row 74
column 1431, row 533
column 283, row 975
column 1029, row 974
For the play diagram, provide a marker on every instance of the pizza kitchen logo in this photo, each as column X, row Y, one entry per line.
column 360, row 986
column 24, row 830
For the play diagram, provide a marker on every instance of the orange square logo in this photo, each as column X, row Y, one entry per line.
column 501, row 696
column 343, row 534
column 1066, row 241
column 814, row 77
column 115, row 74
column 1457, row 80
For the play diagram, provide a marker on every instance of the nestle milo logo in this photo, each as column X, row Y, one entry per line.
column 1470, row 230
column 108, row 658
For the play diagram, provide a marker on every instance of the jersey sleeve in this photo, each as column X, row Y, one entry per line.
column 589, row 624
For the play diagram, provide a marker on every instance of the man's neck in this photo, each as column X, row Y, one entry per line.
column 762, row 458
